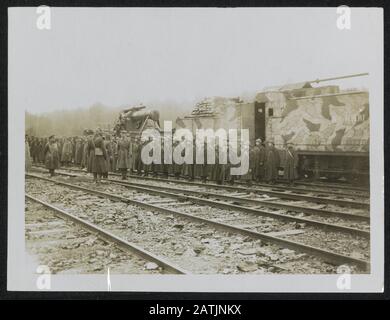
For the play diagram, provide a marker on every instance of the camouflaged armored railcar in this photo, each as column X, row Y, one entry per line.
column 328, row 127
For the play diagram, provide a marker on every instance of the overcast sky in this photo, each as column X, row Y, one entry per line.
column 126, row 56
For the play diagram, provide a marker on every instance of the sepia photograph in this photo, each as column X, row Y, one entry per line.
column 195, row 149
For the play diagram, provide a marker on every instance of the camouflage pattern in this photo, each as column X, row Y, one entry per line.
column 335, row 122
column 321, row 119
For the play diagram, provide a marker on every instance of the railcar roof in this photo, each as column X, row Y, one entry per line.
column 291, row 86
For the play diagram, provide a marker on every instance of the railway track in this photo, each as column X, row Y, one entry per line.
column 285, row 194
column 319, row 190
column 246, row 205
column 326, row 255
column 256, row 205
column 129, row 249
column 332, row 185
column 160, row 231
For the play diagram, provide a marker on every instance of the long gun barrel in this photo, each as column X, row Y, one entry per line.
column 342, row 77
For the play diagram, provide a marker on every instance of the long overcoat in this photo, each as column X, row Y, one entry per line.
column 66, row 154
column 109, row 159
column 27, row 156
column 41, row 150
column 84, row 161
column 114, row 148
column 258, row 161
column 98, row 156
column 290, row 164
column 271, row 163
column 52, row 158
column 177, row 168
column 218, row 169
column 79, row 152
column 90, row 154
column 136, row 156
column 123, row 153
column 248, row 153
column 34, row 150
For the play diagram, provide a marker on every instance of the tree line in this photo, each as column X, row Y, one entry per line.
column 73, row 122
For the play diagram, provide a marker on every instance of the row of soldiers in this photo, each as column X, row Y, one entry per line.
column 101, row 153
column 69, row 149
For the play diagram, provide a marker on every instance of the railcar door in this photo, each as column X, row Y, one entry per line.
column 259, row 120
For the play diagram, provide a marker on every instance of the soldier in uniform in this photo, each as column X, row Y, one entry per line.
column 60, row 143
column 73, row 142
column 206, row 171
column 123, row 154
column 27, row 158
column 228, row 176
column 258, row 161
column 90, row 151
column 66, row 154
column 136, row 156
column 41, row 149
column 35, row 150
column 163, row 165
column 290, row 164
column 153, row 167
column 114, row 153
column 52, row 158
column 148, row 168
column 141, row 166
column 247, row 153
column 79, row 151
column 131, row 153
column 218, row 174
column 98, row 155
column 177, row 168
column 190, row 167
column 85, row 161
column 271, row 163
column 198, row 166
column 108, row 146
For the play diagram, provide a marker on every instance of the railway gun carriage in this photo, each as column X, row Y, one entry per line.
column 328, row 127
column 136, row 119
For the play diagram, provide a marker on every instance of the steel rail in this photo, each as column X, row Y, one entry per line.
column 110, row 237
column 157, row 191
column 281, row 195
column 327, row 256
column 255, row 184
column 213, row 203
column 333, row 185
column 264, row 203
column 280, row 185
